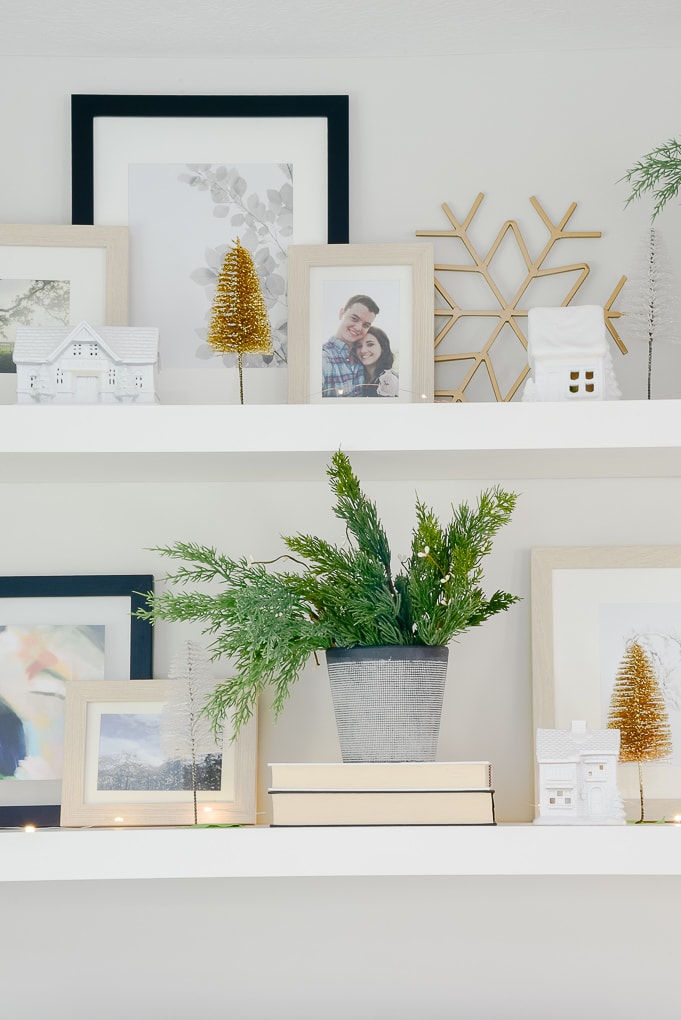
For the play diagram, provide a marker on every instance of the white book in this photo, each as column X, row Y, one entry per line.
column 382, row 807
column 427, row 775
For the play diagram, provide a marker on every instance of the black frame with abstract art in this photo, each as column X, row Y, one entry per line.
column 52, row 629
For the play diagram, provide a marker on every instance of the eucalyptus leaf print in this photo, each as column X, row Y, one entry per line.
column 262, row 219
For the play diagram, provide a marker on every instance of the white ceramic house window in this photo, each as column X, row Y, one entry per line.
column 86, row 365
column 578, row 777
column 569, row 355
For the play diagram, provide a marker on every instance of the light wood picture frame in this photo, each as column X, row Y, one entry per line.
column 587, row 604
column 398, row 280
column 114, row 758
column 73, row 249
column 52, row 275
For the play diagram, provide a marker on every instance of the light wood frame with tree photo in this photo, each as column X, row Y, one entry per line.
column 589, row 604
column 89, row 264
column 118, row 773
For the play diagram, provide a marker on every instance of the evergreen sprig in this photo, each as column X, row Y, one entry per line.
column 660, row 172
column 269, row 622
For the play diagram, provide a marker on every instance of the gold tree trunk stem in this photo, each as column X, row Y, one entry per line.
column 241, row 377
column 640, row 790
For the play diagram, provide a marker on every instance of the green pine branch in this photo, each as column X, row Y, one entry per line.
column 358, row 512
column 660, row 172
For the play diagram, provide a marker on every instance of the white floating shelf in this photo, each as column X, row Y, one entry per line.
column 275, row 442
column 67, row 855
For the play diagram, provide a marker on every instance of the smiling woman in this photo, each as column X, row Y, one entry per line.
column 377, row 359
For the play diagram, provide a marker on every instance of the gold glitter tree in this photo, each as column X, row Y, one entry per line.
column 638, row 711
column 239, row 322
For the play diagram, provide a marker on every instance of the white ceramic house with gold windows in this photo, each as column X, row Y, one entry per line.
column 569, row 355
column 86, row 365
column 577, row 781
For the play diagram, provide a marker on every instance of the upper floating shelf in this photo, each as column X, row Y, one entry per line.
column 293, row 442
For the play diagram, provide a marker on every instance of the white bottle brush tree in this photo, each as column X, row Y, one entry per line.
column 186, row 732
column 652, row 310
column 239, row 323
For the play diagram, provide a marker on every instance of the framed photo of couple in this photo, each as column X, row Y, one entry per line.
column 361, row 323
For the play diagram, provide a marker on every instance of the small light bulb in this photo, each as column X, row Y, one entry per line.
column 677, row 819
column 118, row 818
column 208, row 810
column 29, row 828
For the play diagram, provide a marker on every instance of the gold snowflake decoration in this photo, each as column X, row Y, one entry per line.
column 507, row 311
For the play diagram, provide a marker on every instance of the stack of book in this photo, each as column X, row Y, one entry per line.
column 383, row 793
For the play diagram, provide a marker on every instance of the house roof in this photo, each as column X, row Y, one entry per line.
column 566, row 332
column 565, row 744
column 132, row 345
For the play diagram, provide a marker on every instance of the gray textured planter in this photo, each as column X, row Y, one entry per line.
column 388, row 701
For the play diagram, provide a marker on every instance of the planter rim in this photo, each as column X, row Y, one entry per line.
column 387, row 653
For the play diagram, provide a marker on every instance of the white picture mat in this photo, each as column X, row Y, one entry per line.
column 330, row 288
column 110, row 611
column 120, row 142
column 83, row 268
column 302, row 141
column 95, row 711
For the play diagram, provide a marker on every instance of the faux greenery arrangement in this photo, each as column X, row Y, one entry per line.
column 270, row 622
column 660, row 172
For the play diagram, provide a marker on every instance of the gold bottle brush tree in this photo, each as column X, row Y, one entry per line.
column 239, row 321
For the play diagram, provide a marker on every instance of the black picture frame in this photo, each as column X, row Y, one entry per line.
column 85, row 109
column 188, row 175
column 41, row 806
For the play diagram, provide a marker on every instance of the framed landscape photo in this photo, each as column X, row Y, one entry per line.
column 55, row 631
column 58, row 276
column 588, row 605
column 361, row 321
column 190, row 174
column 122, row 766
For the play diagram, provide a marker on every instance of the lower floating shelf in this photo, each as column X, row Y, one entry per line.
column 51, row 855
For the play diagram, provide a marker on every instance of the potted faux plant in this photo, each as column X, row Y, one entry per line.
column 349, row 602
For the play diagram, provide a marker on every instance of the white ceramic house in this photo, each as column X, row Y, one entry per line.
column 569, row 355
column 86, row 365
column 578, row 777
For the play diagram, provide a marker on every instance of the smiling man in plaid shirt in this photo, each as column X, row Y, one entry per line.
column 341, row 372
